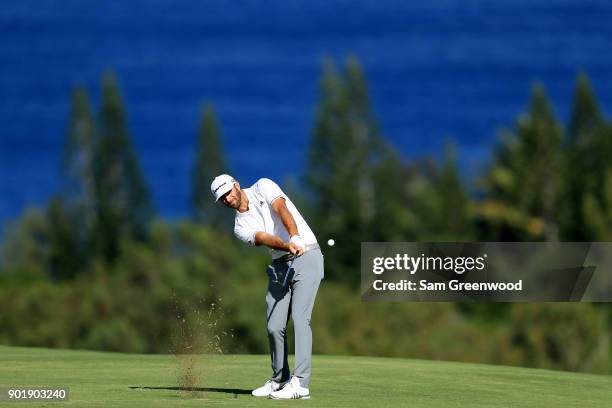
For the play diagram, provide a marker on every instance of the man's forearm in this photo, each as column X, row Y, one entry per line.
column 288, row 221
column 271, row 241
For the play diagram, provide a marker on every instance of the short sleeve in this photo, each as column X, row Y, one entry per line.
column 245, row 234
column 269, row 190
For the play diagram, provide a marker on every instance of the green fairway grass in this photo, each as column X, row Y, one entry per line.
column 105, row 379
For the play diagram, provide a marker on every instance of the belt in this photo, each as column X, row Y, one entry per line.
column 288, row 257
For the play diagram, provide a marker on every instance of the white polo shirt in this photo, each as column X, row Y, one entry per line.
column 261, row 216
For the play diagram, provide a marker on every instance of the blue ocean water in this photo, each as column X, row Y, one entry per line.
column 439, row 70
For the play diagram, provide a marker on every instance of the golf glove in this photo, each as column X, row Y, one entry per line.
column 299, row 241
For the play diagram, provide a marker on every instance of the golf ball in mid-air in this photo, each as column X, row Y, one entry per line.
column 331, row 242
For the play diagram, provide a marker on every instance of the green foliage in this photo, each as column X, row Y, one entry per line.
column 394, row 217
column 72, row 212
column 124, row 207
column 93, row 271
column 195, row 272
column 104, row 198
column 523, row 184
column 185, row 271
column 346, row 151
column 65, row 250
column 562, row 336
column 210, row 162
column 586, row 115
column 444, row 204
column 36, row 315
column 362, row 190
column 77, row 160
column 343, row 324
column 26, row 247
column 598, row 214
column 587, row 163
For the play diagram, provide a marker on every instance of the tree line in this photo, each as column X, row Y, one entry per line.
column 101, row 265
column 545, row 181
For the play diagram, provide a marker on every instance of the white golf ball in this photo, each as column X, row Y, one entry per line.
column 331, row 242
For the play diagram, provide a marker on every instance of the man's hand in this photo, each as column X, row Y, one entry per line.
column 272, row 241
column 295, row 250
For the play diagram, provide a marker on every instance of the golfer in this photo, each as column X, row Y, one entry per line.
column 266, row 216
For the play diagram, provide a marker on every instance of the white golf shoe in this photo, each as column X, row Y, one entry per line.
column 268, row 388
column 291, row 390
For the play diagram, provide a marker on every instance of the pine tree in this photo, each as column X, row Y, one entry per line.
column 395, row 218
column 210, row 162
column 77, row 200
column 77, row 160
column 586, row 115
column 345, row 149
column 325, row 140
column 587, row 159
column 452, row 213
column 65, row 249
column 124, row 207
column 523, row 184
column 598, row 215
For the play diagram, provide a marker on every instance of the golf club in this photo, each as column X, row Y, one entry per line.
column 289, row 270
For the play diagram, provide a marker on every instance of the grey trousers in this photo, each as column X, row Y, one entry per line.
column 297, row 299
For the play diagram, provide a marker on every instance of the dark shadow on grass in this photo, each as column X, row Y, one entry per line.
column 207, row 389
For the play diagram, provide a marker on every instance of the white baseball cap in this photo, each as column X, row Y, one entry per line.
column 221, row 185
